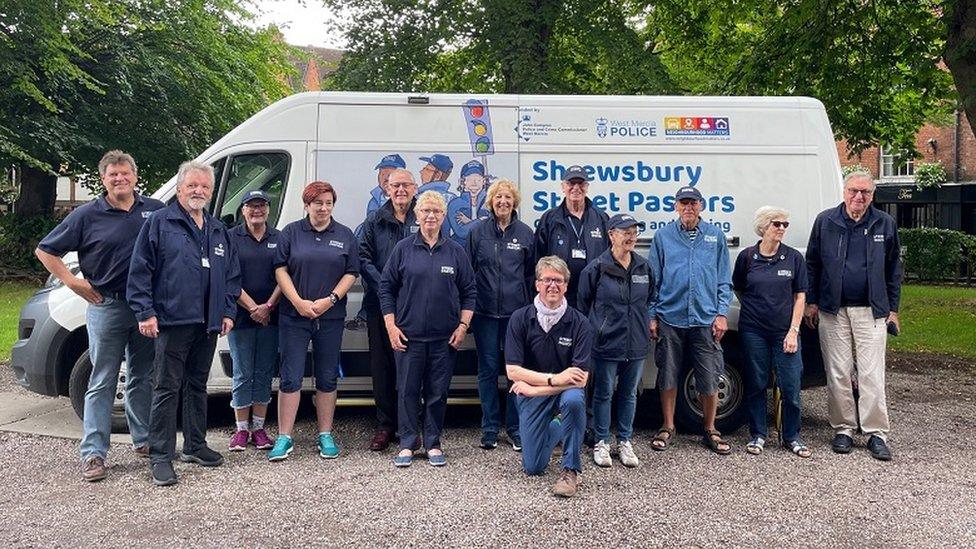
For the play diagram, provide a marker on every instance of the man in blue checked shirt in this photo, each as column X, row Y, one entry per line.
column 693, row 283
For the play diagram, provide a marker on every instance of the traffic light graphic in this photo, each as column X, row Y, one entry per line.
column 479, row 127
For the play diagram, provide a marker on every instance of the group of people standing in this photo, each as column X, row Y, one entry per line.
column 549, row 309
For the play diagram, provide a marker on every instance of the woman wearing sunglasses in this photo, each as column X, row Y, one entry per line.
column 770, row 280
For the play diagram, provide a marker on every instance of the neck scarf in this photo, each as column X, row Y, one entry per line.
column 549, row 317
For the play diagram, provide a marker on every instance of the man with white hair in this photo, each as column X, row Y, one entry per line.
column 854, row 270
column 184, row 281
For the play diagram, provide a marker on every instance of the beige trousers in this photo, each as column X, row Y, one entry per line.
column 854, row 337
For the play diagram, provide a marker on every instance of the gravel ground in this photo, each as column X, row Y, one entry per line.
column 685, row 496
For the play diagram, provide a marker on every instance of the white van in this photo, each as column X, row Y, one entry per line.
column 740, row 152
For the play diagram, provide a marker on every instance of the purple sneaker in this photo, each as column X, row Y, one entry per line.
column 238, row 442
column 261, row 440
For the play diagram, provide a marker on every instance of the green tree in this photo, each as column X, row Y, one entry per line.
column 159, row 79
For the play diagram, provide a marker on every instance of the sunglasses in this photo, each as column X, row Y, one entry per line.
column 781, row 224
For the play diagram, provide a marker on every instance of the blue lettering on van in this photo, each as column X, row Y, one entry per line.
column 632, row 202
column 550, row 170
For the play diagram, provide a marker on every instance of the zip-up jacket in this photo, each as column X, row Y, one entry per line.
column 426, row 288
column 692, row 278
column 827, row 252
column 167, row 276
column 504, row 266
column 381, row 232
column 616, row 301
column 558, row 235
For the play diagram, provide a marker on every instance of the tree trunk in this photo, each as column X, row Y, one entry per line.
column 960, row 52
column 38, row 190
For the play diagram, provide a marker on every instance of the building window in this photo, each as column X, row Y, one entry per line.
column 896, row 164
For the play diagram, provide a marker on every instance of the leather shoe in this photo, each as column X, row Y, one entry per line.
column 842, row 444
column 879, row 450
column 381, row 440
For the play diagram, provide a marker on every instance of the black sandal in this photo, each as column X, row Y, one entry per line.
column 661, row 442
column 713, row 441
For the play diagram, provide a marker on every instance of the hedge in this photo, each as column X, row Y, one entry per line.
column 18, row 239
column 938, row 254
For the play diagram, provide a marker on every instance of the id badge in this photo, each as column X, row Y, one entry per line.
column 578, row 253
column 205, row 261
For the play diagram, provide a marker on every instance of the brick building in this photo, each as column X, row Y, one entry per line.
column 951, row 206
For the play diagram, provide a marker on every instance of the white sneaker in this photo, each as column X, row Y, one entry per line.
column 627, row 455
column 601, row 454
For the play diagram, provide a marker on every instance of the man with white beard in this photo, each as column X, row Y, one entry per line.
column 184, row 281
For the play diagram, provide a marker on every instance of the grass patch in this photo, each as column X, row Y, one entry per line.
column 937, row 319
column 12, row 298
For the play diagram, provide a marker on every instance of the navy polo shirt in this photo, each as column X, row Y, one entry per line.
column 104, row 237
column 854, row 292
column 316, row 261
column 257, row 259
column 566, row 344
column 766, row 287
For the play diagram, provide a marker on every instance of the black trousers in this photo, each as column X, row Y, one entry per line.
column 382, row 366
column 183, row 358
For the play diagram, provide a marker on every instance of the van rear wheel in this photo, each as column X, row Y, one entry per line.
column 78, row 386
column 731, row 401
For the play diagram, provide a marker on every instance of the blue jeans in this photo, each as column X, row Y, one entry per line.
column 489, row 337
column 113, row 334
column 763, row 352
column 540, row 433
column 424, row 373
column 254, row 353
column 624, row 375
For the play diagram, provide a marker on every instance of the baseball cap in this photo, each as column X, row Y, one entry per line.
column 688, row 192
column 472, row 167
column 256, row 194
column 439, row 161
column 391, row 161
column 576, row 172
column 624, row 221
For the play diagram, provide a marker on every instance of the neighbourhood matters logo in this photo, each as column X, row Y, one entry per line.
column 697, row 126
column 636, row 129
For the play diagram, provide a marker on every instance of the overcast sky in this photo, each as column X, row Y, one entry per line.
column 302, row 22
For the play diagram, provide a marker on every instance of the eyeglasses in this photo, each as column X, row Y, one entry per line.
column 634, row 231
column 401, row 185
column 259, row 206
column 781, row 224
column 552, row 281
column 426, row 213
column 864, row 192
column 577, row 183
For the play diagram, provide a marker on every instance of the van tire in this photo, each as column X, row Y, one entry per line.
column 78, row 386
column 732, row 392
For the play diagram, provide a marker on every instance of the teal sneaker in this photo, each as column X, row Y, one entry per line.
column 328, row 448
column 283, row 446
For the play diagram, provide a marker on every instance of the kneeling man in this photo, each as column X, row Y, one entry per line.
column 547, row 355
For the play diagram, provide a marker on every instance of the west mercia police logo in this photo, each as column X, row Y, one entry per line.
column 601, row 127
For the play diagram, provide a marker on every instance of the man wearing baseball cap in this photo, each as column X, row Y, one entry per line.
column 433, row 176
column 469, row 206
column 575, row 231
column 380, row 193
column 693, row 289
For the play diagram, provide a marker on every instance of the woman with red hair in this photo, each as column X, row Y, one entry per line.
column 316, row 264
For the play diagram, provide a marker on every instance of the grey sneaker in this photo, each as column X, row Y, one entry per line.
column 627, row 455
column 568, row 484
column 601, row 454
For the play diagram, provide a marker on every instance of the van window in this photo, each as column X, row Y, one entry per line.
column 266, row 171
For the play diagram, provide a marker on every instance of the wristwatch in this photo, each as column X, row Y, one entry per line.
column 334, row 298
column 795, row 329
column 549, row 380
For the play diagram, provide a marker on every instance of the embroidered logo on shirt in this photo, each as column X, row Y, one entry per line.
column 566, row 341
column 272, row 245
column 784, row 272
column 447, row 269
column 146, row 214
column 640, row 279
column 879, row 238
column 596, row 233
column 711, row 238
column 513, row 246
column 219, row 250
column 337, row 244
column 414, row 229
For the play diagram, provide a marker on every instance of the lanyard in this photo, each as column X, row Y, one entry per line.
column 579, row 233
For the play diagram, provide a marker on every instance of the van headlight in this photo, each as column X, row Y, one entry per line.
column 55, row 282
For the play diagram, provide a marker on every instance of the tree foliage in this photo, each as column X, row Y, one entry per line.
column 159, row 79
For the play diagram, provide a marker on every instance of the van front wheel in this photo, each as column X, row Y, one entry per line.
column 78, row 386
column 731, row 398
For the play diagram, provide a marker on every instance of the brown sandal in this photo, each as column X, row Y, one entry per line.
column 661, row 442
column 713, row 440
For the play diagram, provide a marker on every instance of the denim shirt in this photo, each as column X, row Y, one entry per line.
column 692, row 278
